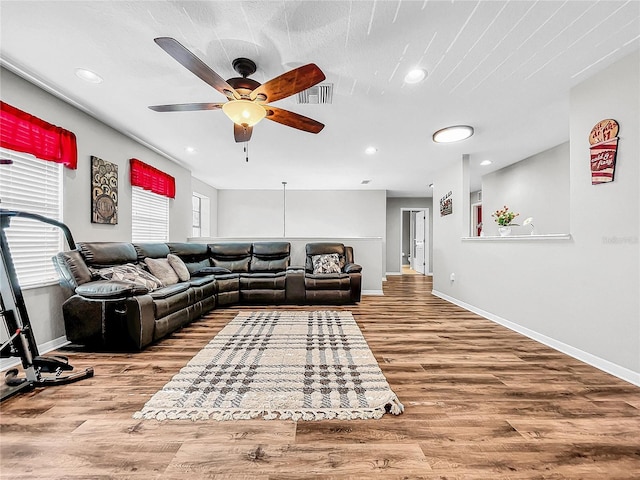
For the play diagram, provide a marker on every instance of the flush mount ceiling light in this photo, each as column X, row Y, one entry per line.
column 190, row 149
column 484, row 163
column 244, row 112
column 370, row 150
column 415, row 76
column 453, row 134
column 88, row 75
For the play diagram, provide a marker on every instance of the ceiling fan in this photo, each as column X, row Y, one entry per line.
column 248, row 100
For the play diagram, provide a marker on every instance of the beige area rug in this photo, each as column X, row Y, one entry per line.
column 286, row 365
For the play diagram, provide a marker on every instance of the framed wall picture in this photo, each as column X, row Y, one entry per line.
column 104, row 191
column 446, row 205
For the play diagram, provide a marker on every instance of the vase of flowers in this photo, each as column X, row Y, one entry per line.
column 504, row 218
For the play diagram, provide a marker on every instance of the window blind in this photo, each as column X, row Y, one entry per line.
column 196, row 202
column 34, row 186
column 150, row 216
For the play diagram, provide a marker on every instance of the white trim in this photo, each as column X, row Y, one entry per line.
column 393, row 274
column 6, row 363
column 511, row 238
column 372, row 292
column 588, row 358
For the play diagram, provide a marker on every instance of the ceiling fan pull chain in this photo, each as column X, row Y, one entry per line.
column 246, row 151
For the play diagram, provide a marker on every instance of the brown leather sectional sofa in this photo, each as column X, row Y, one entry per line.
column 118, row 314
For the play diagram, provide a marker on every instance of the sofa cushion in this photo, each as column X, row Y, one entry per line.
column 180, row 268
column 241, row 265
column 327, row 263
column 153, row 250
column 162, row 269
column 211, row 271
column 269, row 264
column 169, row 291
column 103, row 289
column 129, row 273
column 105, row 254
column 194, row 267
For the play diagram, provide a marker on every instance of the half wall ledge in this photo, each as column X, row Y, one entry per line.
column 519, row 238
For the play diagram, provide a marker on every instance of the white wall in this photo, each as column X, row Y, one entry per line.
column 309, row 213
column 94, row 138
column 394, row 248
column 536, row 187
column 580, row 295
column 320, row 213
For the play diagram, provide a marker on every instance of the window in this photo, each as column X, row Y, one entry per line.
column 149, row 216
column 197, row 216
column 35, row 186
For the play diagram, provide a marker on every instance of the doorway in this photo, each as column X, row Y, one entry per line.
column 414, row 241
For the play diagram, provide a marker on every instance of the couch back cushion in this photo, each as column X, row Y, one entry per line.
column 107, row 254
column 194, row 255
column 151, row 250
column 270, row 256
column 232, row 256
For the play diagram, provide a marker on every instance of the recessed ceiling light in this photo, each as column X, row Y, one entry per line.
column 365, row 182
column 88, row 75
column 484, row 163
column 415, row 76
column 431, row 185
column 453, row 134
column 189, row 149
column 370, row 150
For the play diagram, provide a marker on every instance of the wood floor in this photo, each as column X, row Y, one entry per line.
column 481, row 402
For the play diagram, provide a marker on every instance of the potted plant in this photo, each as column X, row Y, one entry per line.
column 504, row 218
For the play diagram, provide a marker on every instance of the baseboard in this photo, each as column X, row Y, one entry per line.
column 6, row 363
column 372, row 292
column 600, row 363
column 391, row 274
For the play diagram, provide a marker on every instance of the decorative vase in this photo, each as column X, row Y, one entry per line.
column 504, row 230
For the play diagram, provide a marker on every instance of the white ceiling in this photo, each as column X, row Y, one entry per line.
column 505, row 68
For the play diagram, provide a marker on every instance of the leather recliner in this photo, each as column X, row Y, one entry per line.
column 340, row 287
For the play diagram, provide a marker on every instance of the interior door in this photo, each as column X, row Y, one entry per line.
column 419, row 242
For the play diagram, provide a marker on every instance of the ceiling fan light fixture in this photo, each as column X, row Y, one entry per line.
column 244, row 112
column 453, row 134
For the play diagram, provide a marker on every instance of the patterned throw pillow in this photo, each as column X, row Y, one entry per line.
column 160, row 268
column 129, row 273
column 178, row 265
column 328, row 263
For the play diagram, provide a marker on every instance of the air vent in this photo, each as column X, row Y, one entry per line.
column 318, row 94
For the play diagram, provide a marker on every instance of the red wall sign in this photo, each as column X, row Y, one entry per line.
column 604, row 147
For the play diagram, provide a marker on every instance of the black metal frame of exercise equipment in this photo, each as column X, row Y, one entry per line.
column 40, row 371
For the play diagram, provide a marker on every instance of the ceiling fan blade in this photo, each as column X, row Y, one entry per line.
column 186, row 107
column 196, row 66
column 289, row 83
column 242, row 134
column 295, row 120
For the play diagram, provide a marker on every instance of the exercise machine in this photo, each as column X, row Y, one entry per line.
column 39, row 371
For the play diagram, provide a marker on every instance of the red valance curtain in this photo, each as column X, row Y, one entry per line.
column 150, row 178
column 23, row 132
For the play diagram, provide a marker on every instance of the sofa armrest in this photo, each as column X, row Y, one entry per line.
column 352, row 268
column 110, row 289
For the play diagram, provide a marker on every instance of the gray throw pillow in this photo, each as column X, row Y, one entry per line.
column 180, row 268
column 161, row 269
